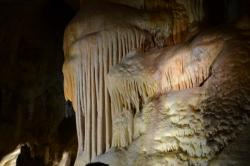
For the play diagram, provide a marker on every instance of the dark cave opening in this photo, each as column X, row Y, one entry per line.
column 225, row 11
column 32, row 108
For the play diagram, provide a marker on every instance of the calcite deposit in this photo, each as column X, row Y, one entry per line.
column 192, row 100
column 100, row 36
column 150, row 87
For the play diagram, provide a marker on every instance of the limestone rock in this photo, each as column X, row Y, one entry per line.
column 199, row 106
column 102, row 33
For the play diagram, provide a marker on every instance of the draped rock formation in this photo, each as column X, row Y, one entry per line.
column 186, row 102
column 100, row 36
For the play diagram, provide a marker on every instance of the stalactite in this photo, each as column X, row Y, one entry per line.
column 94, row 43
column 141, row 76
column 127, row 95
column 85, row 84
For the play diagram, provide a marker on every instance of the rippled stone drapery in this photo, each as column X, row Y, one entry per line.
column 90, row 96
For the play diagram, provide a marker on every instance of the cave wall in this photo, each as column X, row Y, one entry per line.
column 32, row 105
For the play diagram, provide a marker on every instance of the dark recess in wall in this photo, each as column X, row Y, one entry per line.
column 225, row 11
column 32, row 105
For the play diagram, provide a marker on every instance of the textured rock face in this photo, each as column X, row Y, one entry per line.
column 144, row 95
column 100, row 36
column 199, row 103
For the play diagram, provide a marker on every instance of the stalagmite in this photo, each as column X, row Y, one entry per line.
column 10, row 159
column 65, row 160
